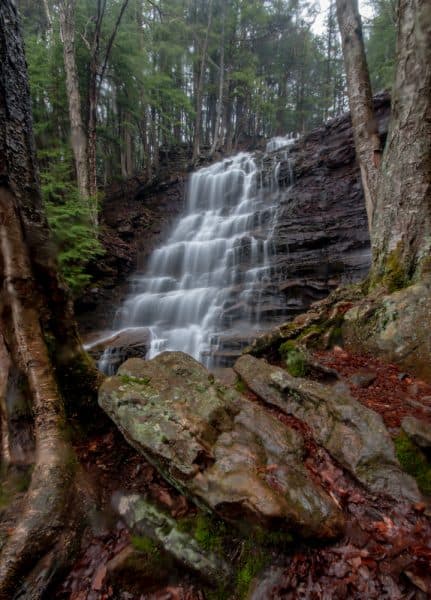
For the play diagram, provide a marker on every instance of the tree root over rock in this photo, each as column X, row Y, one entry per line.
column 40, row 534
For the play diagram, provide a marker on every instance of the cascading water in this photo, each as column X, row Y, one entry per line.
column 205, row 290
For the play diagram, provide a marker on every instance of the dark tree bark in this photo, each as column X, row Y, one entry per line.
column 35, row 310
column 367, row 141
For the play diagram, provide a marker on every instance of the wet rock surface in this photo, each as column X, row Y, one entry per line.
column 145, row 519
column 395, row 327
column 133, row 342
column 222, row 450
column 419, row 431
column 354, row 435
column 135, row 217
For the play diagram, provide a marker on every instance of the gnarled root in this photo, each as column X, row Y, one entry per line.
column 51, row 494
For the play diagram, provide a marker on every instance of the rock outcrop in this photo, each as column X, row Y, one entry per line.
column 321, row 234
column 394, row 326
column 225, row 452
column 353, row 435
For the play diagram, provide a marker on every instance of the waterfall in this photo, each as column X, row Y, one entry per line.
column 207, row 290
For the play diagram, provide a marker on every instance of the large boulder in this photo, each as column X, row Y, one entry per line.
column 354, row 435
column 219, row 448
column 395, row 327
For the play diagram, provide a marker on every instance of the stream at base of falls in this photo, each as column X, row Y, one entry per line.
column 207, row 290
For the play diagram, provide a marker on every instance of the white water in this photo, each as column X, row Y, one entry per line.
column 209, row 281
column 279, row 141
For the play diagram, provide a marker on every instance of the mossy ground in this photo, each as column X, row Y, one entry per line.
column 250, row 554
column 414, row 462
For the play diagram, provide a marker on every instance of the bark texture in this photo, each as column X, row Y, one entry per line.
column 77, row 132
column 18, row 173
column 49, row 495
column 36, row 321
column 401, row 233
column 367, row 141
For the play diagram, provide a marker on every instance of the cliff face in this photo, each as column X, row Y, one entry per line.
column 320, row 236
column 135, row 219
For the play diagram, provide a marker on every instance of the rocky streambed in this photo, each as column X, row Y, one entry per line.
column 284, row 485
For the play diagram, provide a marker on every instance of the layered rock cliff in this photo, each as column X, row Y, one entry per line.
column 320, row 237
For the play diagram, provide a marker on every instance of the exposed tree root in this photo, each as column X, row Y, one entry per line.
column 51, row 493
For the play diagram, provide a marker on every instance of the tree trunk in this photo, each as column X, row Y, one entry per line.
column 35, row 308
column 401, row 233
column 78, row 136
column 221, row 85
column 367, row 141
column 200, row 88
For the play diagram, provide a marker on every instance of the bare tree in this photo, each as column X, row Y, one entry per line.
column 200, row 86
column 367, row 141
column 400, row 192
column 77, row 132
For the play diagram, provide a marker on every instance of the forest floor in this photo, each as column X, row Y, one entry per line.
column 386, row 548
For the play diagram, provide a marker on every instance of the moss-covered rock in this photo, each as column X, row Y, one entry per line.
column 414, row 462
column 354, row 435
column 394, row 326
column 216, row 446
column 156, row 532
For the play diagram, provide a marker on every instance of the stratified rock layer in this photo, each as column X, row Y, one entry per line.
column 354, row 435
column 219, row 448
column 321, row 233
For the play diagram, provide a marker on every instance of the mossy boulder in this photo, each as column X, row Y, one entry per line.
column 354, row 435
column 226, row 453
column 394, row 326
column 156, row 535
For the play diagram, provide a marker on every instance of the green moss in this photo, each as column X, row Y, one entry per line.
column 315, row 330
column 414, row 462
column 253, row 560
column 395, row 277
column 294, row 358
column 210, row 533
column 240, row 386
column 145, row 545
column 336, row 336
column 392, row 274
column 130, row 379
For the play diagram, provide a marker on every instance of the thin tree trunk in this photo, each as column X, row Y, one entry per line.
column 200, row 88
column 401, row 233
column 219, row 112
column 367, row 141
column 78, row 135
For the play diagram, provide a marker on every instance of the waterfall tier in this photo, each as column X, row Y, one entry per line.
column 208, row 291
